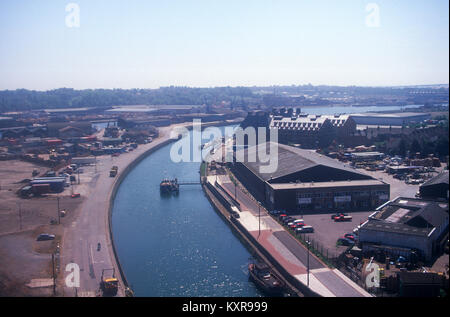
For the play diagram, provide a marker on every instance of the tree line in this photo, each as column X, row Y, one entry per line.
column 22, row 99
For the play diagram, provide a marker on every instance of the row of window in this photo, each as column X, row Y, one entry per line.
column 340, row 194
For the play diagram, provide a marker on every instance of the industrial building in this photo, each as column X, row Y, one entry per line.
column 48, row 184
column 366, row 156
column 308, row 182
column 295, row 127
column 436, row 188
column 389, row 119
column 407, row 224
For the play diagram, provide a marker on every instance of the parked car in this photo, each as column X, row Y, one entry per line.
column 338, row 214
column 45, row 236
column 345, row 241
column 350, row 236
column 287, row 220
column 343, row 218
column 304, row 229
column 76, row 195
column 296, row 221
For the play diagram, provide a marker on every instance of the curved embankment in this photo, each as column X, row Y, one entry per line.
column 121, row 176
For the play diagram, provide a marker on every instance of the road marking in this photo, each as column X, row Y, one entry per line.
column 91, row 265
column 86, row 294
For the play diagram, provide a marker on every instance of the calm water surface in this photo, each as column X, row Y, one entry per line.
column 175, row 246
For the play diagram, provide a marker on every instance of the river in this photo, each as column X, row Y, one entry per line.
column 176, row 246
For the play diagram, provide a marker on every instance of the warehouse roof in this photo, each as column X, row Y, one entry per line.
column 409, row 216
column 291, row 160
column 396, row 228
column 442, row 178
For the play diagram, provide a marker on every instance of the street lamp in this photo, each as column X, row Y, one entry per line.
column 259, row 219
column 307, row 244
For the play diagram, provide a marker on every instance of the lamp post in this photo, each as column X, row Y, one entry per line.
column 259, row 219
column 307, row 244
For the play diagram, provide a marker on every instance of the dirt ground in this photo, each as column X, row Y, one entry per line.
column 22, row 258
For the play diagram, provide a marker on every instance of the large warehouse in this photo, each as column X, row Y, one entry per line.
column 308, row 182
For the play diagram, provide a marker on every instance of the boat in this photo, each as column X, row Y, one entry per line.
column 265, row 279
column 169, row 186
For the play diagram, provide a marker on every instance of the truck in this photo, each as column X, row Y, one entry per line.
column 113, row 171
column 109, row 284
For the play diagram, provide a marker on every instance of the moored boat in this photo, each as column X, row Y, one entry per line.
column 169, row 186
column 266, row 280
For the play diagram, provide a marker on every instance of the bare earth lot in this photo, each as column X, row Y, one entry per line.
column 21, row 221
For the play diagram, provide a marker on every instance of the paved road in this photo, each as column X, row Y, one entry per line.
column 91, row 226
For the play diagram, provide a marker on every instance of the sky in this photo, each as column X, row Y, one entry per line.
column 208, row 43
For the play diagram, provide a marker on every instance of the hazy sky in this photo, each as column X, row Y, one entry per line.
column 205, row 43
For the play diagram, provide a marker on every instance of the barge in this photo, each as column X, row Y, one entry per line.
column 266, row 280
column 169, row 186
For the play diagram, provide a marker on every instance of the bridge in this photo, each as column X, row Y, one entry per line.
column 189, row 183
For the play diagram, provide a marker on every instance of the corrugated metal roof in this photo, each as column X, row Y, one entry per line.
column 291, row 160
column 442, row 178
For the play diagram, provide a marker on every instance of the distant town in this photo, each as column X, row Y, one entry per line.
column 361, row 186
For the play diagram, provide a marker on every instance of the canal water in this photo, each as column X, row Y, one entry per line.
column 176, row 246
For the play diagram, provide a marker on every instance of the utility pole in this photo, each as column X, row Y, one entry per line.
column 59, row 214
column 54, row 277
column 259, row 219
column 20, row 216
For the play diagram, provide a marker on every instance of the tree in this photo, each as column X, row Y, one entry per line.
column 441, row 148
column 415, row 147
column 402, row 147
